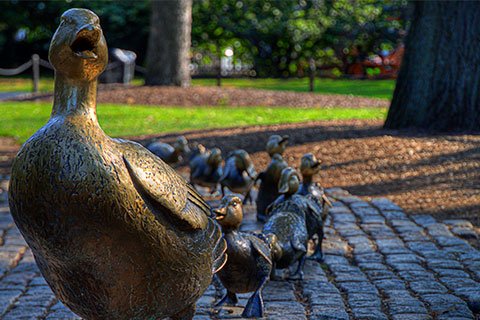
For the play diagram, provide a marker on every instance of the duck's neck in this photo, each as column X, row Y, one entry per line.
column 74, row 97
column 307, row 180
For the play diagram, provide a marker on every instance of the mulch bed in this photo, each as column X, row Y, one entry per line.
column 214, row 96
column 423, row 173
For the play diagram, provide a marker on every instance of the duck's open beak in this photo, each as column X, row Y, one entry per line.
column 86, row 41
column 220, row 213
column 284, row 139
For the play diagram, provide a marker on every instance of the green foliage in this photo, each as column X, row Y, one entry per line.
column 277, row 37
column 125, row 24
column 21, row 120
column 280, row 37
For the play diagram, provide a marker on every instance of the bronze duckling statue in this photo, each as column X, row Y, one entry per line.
column 319, row 203
column 206, row 169
column 238, row 174
column 115, row 231
column 249, row 262
column 268, row 190
column 287, row 222
column 276, row 144
column 170, row 154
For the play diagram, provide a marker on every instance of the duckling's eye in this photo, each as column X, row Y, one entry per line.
column 234, row 204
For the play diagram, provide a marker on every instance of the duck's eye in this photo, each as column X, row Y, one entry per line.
column 234, row 204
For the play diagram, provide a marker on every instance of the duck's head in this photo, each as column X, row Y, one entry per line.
column 289, row 181
column 276, row 144
column 181, row 145
column 230, row 213
column 244, row 163
column 215, row 157
column 309, row 165
column 78, row 49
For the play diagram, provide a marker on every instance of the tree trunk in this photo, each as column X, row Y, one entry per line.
column 168, row 53
column 439, row 80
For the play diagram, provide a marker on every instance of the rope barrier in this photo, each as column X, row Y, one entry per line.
column 15, row 71
column 45, row 64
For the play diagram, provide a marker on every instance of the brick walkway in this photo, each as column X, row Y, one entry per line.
column 379, row 264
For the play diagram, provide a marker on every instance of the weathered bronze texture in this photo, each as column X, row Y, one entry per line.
column 170, row 154
column 238, row 174
column 115, row 231
column 249, row 260
column 206, row 169
column 318, row 201
column 268, row 190
column 276, row 144
column 287, row 222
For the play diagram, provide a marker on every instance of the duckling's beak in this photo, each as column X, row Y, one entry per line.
column 86, row 41
column 251, row 172
column 220, row 213
column 283, row 185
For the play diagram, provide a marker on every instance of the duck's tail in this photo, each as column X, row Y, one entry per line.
column 219, row 250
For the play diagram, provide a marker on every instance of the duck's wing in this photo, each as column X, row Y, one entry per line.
column 164, row 191
column 260, row 245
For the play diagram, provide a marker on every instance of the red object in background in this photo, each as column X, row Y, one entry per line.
column 388, row 65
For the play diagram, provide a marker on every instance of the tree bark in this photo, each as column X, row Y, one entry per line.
column 439, row 80
column 168, row 53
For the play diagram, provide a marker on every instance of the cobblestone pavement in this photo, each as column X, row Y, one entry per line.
column 379, row 264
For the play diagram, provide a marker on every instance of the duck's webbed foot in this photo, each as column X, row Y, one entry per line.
column 261, row 217
column 185, row 314
column 248, row 197
column 317, row 255
column 230, row 299
column 298, row 275
column 254, row 307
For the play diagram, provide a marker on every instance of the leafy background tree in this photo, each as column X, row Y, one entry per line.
column 276, row 37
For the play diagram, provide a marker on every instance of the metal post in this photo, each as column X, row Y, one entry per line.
column 35, row 72
column 219, row 67
column 312, row 68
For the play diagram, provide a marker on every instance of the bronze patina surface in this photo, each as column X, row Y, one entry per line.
column 238, row 174
column 206, row 169
column 268, row 190
column 115, row 231
column 276, row 144
column 319, row 203
column 287, row 222
column 170, row 154
column 249, row 260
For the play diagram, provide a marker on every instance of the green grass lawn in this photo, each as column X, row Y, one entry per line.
column 21, row 120
column 367, row 88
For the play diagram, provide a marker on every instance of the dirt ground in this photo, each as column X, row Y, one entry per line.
column 214, row 96
column 423, row 173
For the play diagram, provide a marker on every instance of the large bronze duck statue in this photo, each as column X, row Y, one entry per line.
column 268, row 190
column 206, row 169
column 287, row 222
column 238, row 174
column 115, row 231
column 170, row 154
column 319, row 203
column 249, row 260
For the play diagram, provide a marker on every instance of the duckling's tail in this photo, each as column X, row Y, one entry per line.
column 219, row 251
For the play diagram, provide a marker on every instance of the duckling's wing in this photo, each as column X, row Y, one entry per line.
column 164, row 191
column 260, row 245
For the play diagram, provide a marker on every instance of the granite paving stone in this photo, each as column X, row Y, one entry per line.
column 379, row 263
